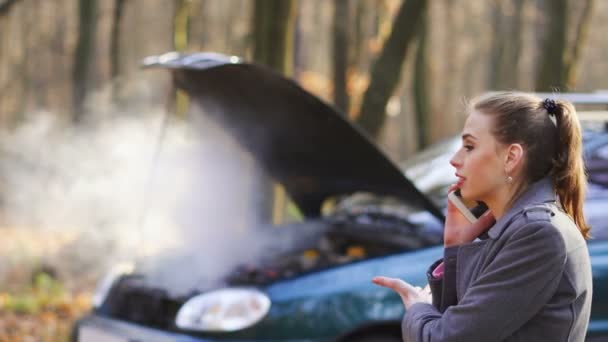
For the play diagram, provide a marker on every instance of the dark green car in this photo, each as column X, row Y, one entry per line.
column 362, row 217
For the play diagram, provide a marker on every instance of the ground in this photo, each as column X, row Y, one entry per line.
column 37, row 302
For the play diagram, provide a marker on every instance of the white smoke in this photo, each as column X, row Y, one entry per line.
column 88, row 184
column 217, row 218
column 130, row 186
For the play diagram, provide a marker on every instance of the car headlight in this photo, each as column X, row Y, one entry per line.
column 228, row 309
column 103, row 287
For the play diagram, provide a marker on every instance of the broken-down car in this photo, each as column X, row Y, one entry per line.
column 380, row 223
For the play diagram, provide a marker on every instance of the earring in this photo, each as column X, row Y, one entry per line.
column 509, row 179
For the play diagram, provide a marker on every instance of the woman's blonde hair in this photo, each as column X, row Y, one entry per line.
column 550, row 132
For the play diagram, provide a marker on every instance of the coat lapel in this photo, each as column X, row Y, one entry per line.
column 469, row 260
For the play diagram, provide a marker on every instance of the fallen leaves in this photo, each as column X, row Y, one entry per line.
column 43, row 312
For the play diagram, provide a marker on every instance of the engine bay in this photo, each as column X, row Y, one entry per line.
column 345, row 236
column 344, row 239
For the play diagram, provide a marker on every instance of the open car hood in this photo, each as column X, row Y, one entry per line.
column 303, row 143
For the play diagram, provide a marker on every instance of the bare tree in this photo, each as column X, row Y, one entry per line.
column 362, row 31
column 507, row 21
column 85, row 49
column 340, row 53
column 273, row 31
column 580, row 40
column 559, row 60
column 181, row 22
column 553, row 54
column 422, row 102
column 5, row 6
column 451, row 14
column 510, row 66
column 273, row 39
column 115, row 69
column 386, row 69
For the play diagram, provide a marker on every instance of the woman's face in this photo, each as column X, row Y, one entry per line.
column 479, row 162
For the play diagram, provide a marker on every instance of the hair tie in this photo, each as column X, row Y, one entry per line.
column 552, row 109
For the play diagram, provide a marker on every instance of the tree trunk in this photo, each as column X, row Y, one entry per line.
column 363, row 31
column 453, row 48
column 24, row 64
column 273, row 30
column 422, row 102
column 357, row 43
column 340, row 53
column 579, row 41
column 364, row 28
column 386, row 69
column 273, row 39
column 498, row 45
column 5, row 6
column 552, row 57
column 85, row 49
column 115, row 69
column 510, row 67
column 181, row 24
column 506, row 44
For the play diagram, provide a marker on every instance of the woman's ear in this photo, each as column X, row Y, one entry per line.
column 514, row 158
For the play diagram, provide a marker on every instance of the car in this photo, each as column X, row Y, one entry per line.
column 362, row 217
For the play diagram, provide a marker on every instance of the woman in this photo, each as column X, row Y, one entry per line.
column 526, row 276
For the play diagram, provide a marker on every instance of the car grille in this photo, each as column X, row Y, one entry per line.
column 131, row 300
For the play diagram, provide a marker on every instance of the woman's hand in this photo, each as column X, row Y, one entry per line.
column 459, row 230
column 409, row 294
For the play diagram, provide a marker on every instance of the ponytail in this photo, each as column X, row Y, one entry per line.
column 568, row 171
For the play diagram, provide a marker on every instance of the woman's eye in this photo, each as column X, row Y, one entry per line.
column 468, row 147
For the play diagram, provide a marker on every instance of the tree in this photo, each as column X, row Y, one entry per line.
column 85, row 49
column 580, row 40
column 5, row 6
column 181, row 24
column 340, row 53
column 451, row 21
column 273, row 39
column 507, row 44
column 273, row 31
column 422, row 102
column 553, row 54
column 115, row 69
column 386, row 70
column 559, row 61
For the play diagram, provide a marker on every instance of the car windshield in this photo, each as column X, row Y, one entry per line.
column 365, row 202
column 431, row 166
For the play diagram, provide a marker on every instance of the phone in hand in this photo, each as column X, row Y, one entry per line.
column 471, row 214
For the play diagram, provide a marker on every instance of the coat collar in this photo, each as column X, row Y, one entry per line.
column 539, row 192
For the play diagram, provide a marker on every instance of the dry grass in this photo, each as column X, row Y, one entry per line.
column 35, row 306
column 44, row 312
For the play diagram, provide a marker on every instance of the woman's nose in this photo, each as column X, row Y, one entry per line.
column 454, row 161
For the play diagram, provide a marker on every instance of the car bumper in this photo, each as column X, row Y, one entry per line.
column 94, row 328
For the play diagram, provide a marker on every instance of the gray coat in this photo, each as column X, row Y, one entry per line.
column 530, row 280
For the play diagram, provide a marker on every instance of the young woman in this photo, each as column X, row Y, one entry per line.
column 521, row 272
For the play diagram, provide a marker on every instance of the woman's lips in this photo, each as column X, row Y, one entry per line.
column 460, row 181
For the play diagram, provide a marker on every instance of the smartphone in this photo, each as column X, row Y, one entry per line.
column 471, row 214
